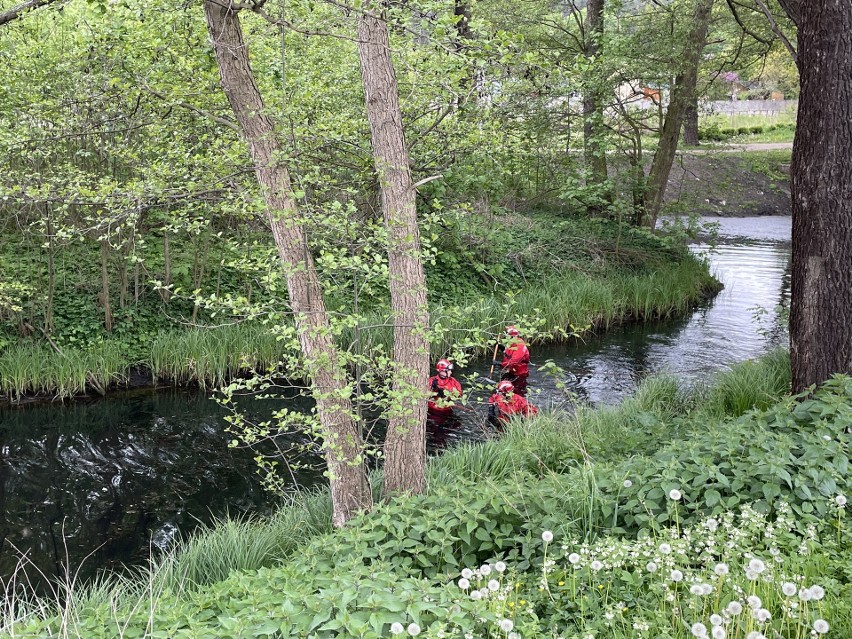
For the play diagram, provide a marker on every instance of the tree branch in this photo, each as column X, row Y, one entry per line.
column 777, row 30
column 16, row 12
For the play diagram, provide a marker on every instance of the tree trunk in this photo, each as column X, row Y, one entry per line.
column 343, row 448
column 690, row 121
column 105, row 302
column 594, row 148
column 681, row 97
column 821, row 185
column 405, row 444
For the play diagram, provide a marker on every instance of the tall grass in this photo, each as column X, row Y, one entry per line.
column 209, row 357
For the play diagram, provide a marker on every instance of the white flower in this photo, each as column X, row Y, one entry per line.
column 676, row 575
column 695, row 589
column 718, row 632
column 734, row 608
column 627, row 483
column 506, row 625
column 665, row 549
column 413, row 629
column 500, row 567
column 651, row 566
column 396, row 628
column 751, row 575
column 817, row 592
column 754, row 634
column 493, row 585
column 762, row 615
column 513, row 635
column 805, row 594
column 820, row 626
column 464, row 584
column 754, row 602
column 706, row 589
column 547, row 536
column 840, row 500
column 788, row 589
column 711, row 524
column 721, row 569
column 467, row 573
column 596, row 565
column 699, row 630
column 756, row 565
column 574, row 558
column 476, row 595
column 716, row 620
column 675, row 494
column 485, row 570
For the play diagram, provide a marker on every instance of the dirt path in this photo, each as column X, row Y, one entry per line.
column 737, row 148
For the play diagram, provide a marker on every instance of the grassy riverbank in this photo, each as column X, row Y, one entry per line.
column 638, row 520
column 559, row 273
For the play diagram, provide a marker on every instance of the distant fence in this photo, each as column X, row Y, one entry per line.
column 769, row 108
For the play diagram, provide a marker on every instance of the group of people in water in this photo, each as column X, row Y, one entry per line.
column 509, row 397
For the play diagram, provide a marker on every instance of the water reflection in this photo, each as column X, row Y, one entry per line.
column 112, row 479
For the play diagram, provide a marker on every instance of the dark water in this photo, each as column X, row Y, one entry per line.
column 103, row 483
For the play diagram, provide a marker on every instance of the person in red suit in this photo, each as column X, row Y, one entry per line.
column 444, row 390
column 505, row 403
column 516, row 361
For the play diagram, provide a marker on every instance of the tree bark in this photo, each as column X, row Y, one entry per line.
column 690, row 121
column 594, row 148
column 681, row 97
column 405, row 444
column 821, row 186
column 343, row 448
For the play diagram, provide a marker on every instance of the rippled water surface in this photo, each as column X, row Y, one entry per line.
column 111, row 479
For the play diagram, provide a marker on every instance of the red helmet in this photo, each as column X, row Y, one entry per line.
column 444, row 365
column 513, row 331
column 505, row 387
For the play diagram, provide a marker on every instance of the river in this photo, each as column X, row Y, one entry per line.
column 97, row 484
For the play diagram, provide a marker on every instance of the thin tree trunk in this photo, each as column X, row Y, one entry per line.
column 343, row 448
column 679, row 101
column 405, row 444
column 105, row 302
column 167, row 266
column 594, row 148
column 821, row 185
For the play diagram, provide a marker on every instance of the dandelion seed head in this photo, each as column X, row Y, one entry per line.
column 464, row 584
column 734, row 608
column 651, row 566
column 698, row 630
column 840, row 500
column 820, row 626
column 467, row 573
column 718, row 632
column 721, row 569
column 396, row 628
column 413, row 629
column 627, row 483
column 789, row 589
column 676, row 575
column 754, row 602
column 756, row 565
column 675, row 494
column 506, row 625
column 665, row 549
column 500, row 567
column 493, row 585
column 574, row 558
column 547, row 536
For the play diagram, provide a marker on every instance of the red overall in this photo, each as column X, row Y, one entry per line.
column 513, row 404
column 444, row 391
column 516, row 359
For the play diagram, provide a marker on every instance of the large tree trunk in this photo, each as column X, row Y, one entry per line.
column 821, row 184
column 405, row 445
column 594, row 148
column 350, row 490
column 679, row 101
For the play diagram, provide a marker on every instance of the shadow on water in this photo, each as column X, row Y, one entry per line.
column 113, row 479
